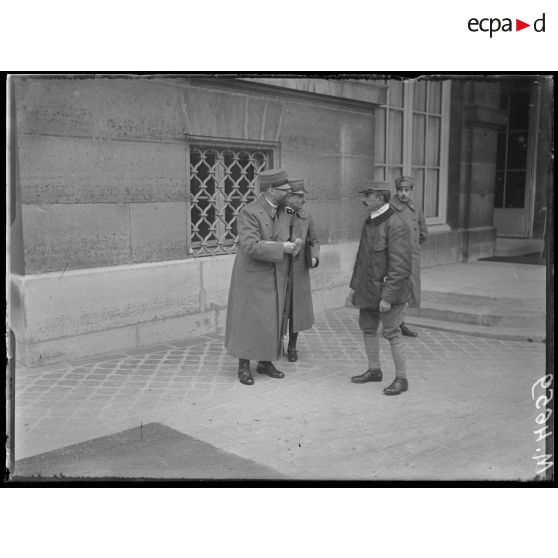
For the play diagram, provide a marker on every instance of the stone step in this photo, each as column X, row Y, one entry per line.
column 476, row 314
column 518, row 246
column 532, row 335
column 469, row 300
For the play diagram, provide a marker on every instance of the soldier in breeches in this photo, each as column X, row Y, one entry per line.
column 403, row 204
column 380, row 284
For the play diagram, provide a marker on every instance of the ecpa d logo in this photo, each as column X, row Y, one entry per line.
column 492, row 25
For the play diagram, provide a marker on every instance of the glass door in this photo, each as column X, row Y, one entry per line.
column 515, row 161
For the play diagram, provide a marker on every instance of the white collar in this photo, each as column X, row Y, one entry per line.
column 378, row 212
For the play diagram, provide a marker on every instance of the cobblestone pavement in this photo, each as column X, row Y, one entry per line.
column 467, row 415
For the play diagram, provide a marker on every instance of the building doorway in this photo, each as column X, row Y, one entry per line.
column 516, row 160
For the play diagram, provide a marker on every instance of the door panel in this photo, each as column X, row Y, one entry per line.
column 511, row 222
column 514, row 165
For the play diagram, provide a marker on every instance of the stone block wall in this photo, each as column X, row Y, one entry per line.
column 474, row 122
column 102, row 162
column 103, row 202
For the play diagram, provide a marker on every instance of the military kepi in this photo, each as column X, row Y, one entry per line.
column 367, row 187
column 297, row 186
column 404, row 182
column 274, row 178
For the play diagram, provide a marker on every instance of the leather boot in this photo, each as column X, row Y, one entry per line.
column 266, row 367
column 397, row 386
column 244, row 374
column 406, row 331
column 369, row 376
column 292, row 353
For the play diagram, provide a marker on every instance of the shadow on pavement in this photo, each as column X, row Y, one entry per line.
column 151, row 451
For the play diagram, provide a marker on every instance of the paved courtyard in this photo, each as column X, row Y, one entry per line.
column 468, row 413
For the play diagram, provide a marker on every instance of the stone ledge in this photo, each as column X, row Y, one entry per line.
column 531, row 335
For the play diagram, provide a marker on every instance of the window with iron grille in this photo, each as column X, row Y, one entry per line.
column 222, row 181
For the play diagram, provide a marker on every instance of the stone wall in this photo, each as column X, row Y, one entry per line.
column 474, row 123
column 103, row 172
column 99, row 241
column 103, row 202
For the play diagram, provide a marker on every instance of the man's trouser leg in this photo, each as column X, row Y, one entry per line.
column 368, row 320
column 390, row 323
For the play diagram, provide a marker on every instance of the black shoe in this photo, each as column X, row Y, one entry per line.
column 292, row 354
column 397, row 386
column 244, row 375
column 369, row 376
column 266, row 367
column 407, row 332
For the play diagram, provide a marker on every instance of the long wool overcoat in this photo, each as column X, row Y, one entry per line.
column 414, row 218
column 383, row 263
column 302, row 308
column 258, row 283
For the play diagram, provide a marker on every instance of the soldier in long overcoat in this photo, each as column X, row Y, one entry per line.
column 299, row 306
column 414, row 217
column 258, row 282
column 380, row 284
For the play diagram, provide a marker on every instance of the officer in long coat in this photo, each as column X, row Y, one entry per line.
column 402, row 202
column 258, row 283
column 299, row 308
column 380, row 284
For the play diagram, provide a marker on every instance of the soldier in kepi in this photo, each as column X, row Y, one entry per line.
column 299, row 312
column 258, row 283
column 402, row 202
column 380, row 284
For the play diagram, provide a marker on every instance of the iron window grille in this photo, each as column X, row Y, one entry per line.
column 222, row 181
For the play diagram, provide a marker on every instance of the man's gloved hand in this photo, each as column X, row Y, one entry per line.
column 289, row 247
column 298, row 244
column 385, row 306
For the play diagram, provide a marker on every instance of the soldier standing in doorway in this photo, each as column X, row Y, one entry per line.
column 414, row 217
column 258, row 282
column 299, row 310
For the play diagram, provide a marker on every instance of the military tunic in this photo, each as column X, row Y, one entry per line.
column 382, row 267
column 302, row 309
column 414, row 218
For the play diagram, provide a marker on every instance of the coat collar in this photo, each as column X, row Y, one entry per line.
column 301, row 214
column 271, row 211
column 380, row 219
column 396, row 203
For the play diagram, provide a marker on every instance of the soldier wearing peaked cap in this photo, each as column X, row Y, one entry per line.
column 299, row 310
column 258, row 281
column 402, row 202
column 380, row 284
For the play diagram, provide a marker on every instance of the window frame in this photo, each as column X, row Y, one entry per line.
column 220, row 143
column 407, row 139
column 409, row 111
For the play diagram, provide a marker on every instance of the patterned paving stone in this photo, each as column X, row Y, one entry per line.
column 468, row 412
